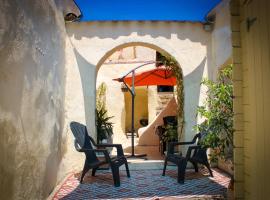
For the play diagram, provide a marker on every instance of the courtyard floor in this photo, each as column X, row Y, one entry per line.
column 145, row 182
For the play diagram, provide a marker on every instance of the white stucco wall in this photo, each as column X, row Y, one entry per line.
column 188, row 43
column 132, row 54
column 152, row 103
column 221, row 36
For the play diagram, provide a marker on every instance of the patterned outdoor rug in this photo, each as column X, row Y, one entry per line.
column 145, row 184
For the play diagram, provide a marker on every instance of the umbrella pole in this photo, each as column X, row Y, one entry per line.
column 132, row 123
column 132, row 91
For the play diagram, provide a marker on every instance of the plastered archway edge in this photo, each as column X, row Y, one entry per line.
column 91, row 50
column 149, row 137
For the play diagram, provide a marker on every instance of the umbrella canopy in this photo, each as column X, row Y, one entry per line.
column 157, row 76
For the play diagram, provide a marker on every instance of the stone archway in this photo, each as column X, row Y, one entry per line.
column 93, row 42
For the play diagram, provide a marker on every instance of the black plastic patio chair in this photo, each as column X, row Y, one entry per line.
column 84, row 143
column 196, row 154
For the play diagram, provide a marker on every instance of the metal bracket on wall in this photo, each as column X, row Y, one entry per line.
column 250, row 22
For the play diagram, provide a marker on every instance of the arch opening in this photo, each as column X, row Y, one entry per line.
column 150, row 104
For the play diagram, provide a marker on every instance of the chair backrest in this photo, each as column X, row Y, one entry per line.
column 200, row 154
column 81, row 135
column 82, row 138
column 197, row 138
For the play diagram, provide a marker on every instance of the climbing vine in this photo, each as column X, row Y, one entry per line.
column 170, row 63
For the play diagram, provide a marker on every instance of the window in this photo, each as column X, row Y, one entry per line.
column 164, row 88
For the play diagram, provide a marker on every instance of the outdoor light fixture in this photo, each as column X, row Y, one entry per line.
column 70, row 10
column 71, row 17
column 208, row 27
column 209, row 24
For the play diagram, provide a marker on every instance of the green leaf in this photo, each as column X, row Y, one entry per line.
column 218, row 114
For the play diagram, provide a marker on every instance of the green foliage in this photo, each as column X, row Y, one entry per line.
column 101, row 97
column 218, row 114
column 172, row 65
column 103, row 124
column 170, row 133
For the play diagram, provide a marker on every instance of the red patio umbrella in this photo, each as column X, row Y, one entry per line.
column 157, row 76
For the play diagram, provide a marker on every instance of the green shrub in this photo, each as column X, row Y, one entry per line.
column 218, row 114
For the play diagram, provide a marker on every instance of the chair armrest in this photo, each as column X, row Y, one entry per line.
column 104, row 151
column 171, row 145
column 181, row 143
column 118, row 147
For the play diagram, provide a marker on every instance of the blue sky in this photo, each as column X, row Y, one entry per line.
column 146, row 10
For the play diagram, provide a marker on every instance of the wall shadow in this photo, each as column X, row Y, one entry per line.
column 103, row 30
column 86, row 69
column 192, row 89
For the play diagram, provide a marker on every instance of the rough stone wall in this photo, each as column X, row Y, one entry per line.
column 32, row 85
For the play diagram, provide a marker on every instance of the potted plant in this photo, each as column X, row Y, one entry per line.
column 170, row 134
column 103, row 125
